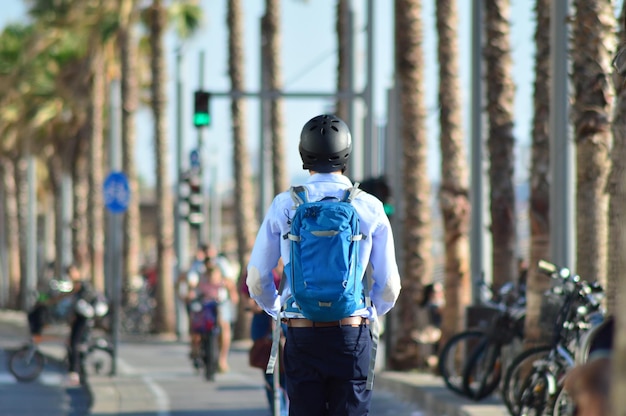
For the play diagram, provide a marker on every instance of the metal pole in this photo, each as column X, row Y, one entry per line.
column 181, row 229
column 202, row 229
column 477, row 191
column 562, row 239
column 216, row 204
column 350, row 67
column 265, row 145
column 272, row 94
column 369, row 150
column 115, row 222
column 31, row 232
column 393, row 172
column 276, row 380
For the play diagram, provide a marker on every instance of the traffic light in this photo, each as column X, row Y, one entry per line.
column 201, row 110
column 191, row 198
column 378, row 187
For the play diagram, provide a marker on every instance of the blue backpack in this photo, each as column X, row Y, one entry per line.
column 324, row 271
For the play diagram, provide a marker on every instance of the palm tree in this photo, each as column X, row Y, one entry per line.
column 539, row 207
column 94, row 24
column 616, row 284
column 245, row 220
column 36, row 101
column 164, row 319
column 186, row 17
column 342, row 106
column 13, row 40
column 128, row 46
column 453, row 193
column 593, row 42
column 271, row 60
column 416, row 244
column 500, row 97
column 10, row 240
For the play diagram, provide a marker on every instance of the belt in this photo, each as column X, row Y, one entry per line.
column 354, row 321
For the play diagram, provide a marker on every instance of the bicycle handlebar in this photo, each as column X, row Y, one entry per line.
column 585, row 290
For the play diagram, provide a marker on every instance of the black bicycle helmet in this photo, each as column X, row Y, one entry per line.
column 325, row 144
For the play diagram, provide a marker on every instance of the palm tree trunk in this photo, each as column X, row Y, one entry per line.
column 245, row 221
column 96, row 172
column 593, row 42
column 54, row 165
column 5, row 284
column 21, row 187
column 500, row 97
column 343, row 83
column 616, row 284
column 539, row 207
column 80, row 195
column 271, row 34
column 416, row 245
column 130, row 98
column 165, row 316
column 454, row 193
column 12, row 230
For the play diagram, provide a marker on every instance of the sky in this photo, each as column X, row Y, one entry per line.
column 308, row 65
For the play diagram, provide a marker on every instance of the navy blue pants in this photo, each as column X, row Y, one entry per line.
column 326, row 371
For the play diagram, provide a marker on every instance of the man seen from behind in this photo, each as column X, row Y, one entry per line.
column 326, row 362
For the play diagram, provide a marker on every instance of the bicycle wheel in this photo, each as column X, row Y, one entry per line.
column 453, row 357
column 210, row 351
column 534, row 396
column 99, row 358
column 483, row 370
column 563, row 405
column 516, row 373
column 26, row 364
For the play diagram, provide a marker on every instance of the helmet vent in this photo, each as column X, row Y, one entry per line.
column 334, row 128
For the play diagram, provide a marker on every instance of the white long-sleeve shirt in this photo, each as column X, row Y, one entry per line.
column 377, row 249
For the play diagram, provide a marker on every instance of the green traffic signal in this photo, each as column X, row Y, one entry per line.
column 201, row 112
column 201, row 119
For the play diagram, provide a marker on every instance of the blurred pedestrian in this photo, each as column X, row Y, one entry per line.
column 261, row 328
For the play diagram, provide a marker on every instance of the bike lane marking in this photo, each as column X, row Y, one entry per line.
column 162, row 401
column 45, row 379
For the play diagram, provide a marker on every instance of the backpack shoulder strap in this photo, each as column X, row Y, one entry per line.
column 351, row 193
column 299, row 194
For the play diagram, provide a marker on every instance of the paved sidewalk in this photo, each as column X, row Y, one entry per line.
column 124, row 394
column 432, row 394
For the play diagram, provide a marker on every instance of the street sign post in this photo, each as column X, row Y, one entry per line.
column 116, row 198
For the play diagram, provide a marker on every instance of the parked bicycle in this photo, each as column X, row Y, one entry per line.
column 471, row 361
column 138, row 309
column 27, row 363
column 533, row 382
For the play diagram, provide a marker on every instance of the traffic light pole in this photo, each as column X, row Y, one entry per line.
column 201, row 229
column 269, row 94
column 363, row 151
column 181, row 230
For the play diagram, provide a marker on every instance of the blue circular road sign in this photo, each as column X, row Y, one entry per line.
column 194, row 158
column 116, row 192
